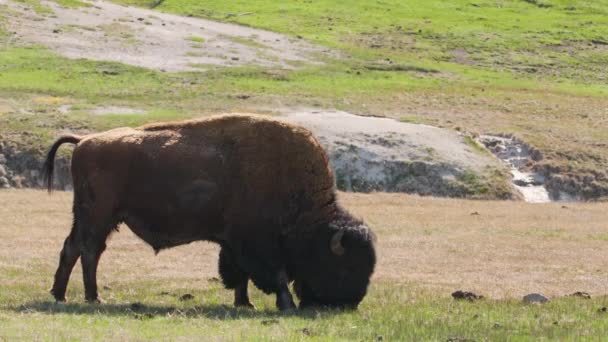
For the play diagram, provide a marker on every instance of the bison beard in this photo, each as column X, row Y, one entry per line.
column 261, row 188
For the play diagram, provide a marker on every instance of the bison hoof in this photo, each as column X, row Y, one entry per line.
column 58, row 298
column 245, row 305
column 94, row 300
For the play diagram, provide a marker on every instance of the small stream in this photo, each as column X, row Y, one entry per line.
column 516, row 155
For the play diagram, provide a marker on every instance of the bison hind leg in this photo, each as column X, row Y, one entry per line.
column 234, row 278
column 67, row 259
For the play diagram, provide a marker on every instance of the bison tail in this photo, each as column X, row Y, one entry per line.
column 49, row 164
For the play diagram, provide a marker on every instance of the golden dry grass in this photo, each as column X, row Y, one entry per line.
column 507, row 249
column 501, row 249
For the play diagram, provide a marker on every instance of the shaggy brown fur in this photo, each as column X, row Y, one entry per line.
column 244, row 181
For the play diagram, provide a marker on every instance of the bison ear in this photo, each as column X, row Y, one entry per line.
column 336, row 243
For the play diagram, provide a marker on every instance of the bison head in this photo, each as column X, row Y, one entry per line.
column 339, row 265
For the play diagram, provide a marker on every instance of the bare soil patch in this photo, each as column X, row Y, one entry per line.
column 154, row 40
column 507, row 250
column 116, row 110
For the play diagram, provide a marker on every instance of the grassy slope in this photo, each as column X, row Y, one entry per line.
column 535, row 69
column 419, row 257
column 481, row 66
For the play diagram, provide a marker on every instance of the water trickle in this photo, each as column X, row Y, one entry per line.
column 517, row 155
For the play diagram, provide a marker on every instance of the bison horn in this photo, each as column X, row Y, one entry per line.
column 336, row 243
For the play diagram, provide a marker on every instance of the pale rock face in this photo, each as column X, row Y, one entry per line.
column 382, row 154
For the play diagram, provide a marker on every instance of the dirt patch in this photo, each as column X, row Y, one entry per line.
column 6, row 106
column 461, row 56
column 116, row 111
column 150, row 39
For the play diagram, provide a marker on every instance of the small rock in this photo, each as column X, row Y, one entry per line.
column 535, row 298
column 2, row 171
column 497, row 325
column 580, row 294
column 466, row 295
column 4, row 184
column 185, row 297
column 2, row 159
column 140, row 19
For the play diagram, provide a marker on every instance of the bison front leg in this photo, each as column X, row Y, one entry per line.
column 284, row 298
column 265, row 265
column 234, row 278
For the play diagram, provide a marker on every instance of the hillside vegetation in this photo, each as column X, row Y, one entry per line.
column 533, row 69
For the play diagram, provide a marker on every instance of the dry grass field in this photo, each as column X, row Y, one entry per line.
column 427, row 248
column 500, row 249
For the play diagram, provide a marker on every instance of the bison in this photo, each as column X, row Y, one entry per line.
column 260, row 188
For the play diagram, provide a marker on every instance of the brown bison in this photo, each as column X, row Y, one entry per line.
column 261, row 188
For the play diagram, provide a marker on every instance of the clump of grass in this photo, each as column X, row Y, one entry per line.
column 410, row 119
column 37, row 7
column 73, row 3
column 475, row 146
column 196, row 39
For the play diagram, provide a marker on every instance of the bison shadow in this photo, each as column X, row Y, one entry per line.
column 145, row 311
